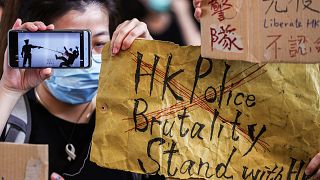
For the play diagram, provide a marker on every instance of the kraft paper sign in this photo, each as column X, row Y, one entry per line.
column 23, row 161
column 261, row 30
column 162, row 108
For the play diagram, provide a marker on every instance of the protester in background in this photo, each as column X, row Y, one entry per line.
column 62, row 107
column 313, row 168
column 168, row 20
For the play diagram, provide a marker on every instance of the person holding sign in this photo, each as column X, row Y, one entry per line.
column 313, row 168
column 62, row 107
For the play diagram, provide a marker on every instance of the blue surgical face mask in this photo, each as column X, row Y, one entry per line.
column 160, row 5
column 75, row 86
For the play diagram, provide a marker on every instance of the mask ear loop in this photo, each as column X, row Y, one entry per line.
column 96, row 58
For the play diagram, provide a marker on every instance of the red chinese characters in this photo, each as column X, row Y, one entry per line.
column 224, row 38
column 219, row 8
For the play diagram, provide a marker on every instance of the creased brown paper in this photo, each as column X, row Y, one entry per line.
column 162, row 108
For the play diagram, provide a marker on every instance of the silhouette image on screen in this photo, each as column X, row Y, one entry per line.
column 55, row 49
column 68, row 57
column 26, row 52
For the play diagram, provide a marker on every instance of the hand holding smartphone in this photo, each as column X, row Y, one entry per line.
column 49, row 49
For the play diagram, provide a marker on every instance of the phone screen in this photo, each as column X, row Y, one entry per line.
column 54, row 49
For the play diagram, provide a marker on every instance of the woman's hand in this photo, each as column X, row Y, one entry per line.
column 313, row 167
column 197, row 11
column 22, row 80
column 126, row 33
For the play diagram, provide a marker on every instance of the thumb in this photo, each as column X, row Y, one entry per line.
column 55, row 176
column 17, row 24
column 45, row 73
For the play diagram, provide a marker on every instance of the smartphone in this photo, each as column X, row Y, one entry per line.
column 49, row 49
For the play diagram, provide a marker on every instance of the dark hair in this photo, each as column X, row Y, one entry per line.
column 1, row 3
column 10, row 14
column 132, row 9
column 48, row 11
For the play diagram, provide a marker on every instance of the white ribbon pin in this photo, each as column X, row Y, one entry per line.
column 70, row 150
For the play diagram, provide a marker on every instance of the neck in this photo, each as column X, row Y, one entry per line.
column 79, row 113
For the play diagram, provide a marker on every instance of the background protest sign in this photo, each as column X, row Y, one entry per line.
column 161, row 108
column 261, row 30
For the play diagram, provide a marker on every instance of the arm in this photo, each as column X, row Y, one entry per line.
column 77, row 51
column 32, row 46
column 190, row 32
column 16, row 82
column 66, row 51
column 8, row 100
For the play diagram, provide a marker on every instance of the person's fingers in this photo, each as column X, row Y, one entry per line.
column 32, row 26
column 123, row 32
column 197, row 13
column 197, row 7
column 138, row 31
column 196, row 3
column 41, row 26
column 116, row 32
column 45, row 73
column 317, row 175
column 17, row 24
column 50, row 27
column 313, row 165
column 55, row 176
column 29, row 26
